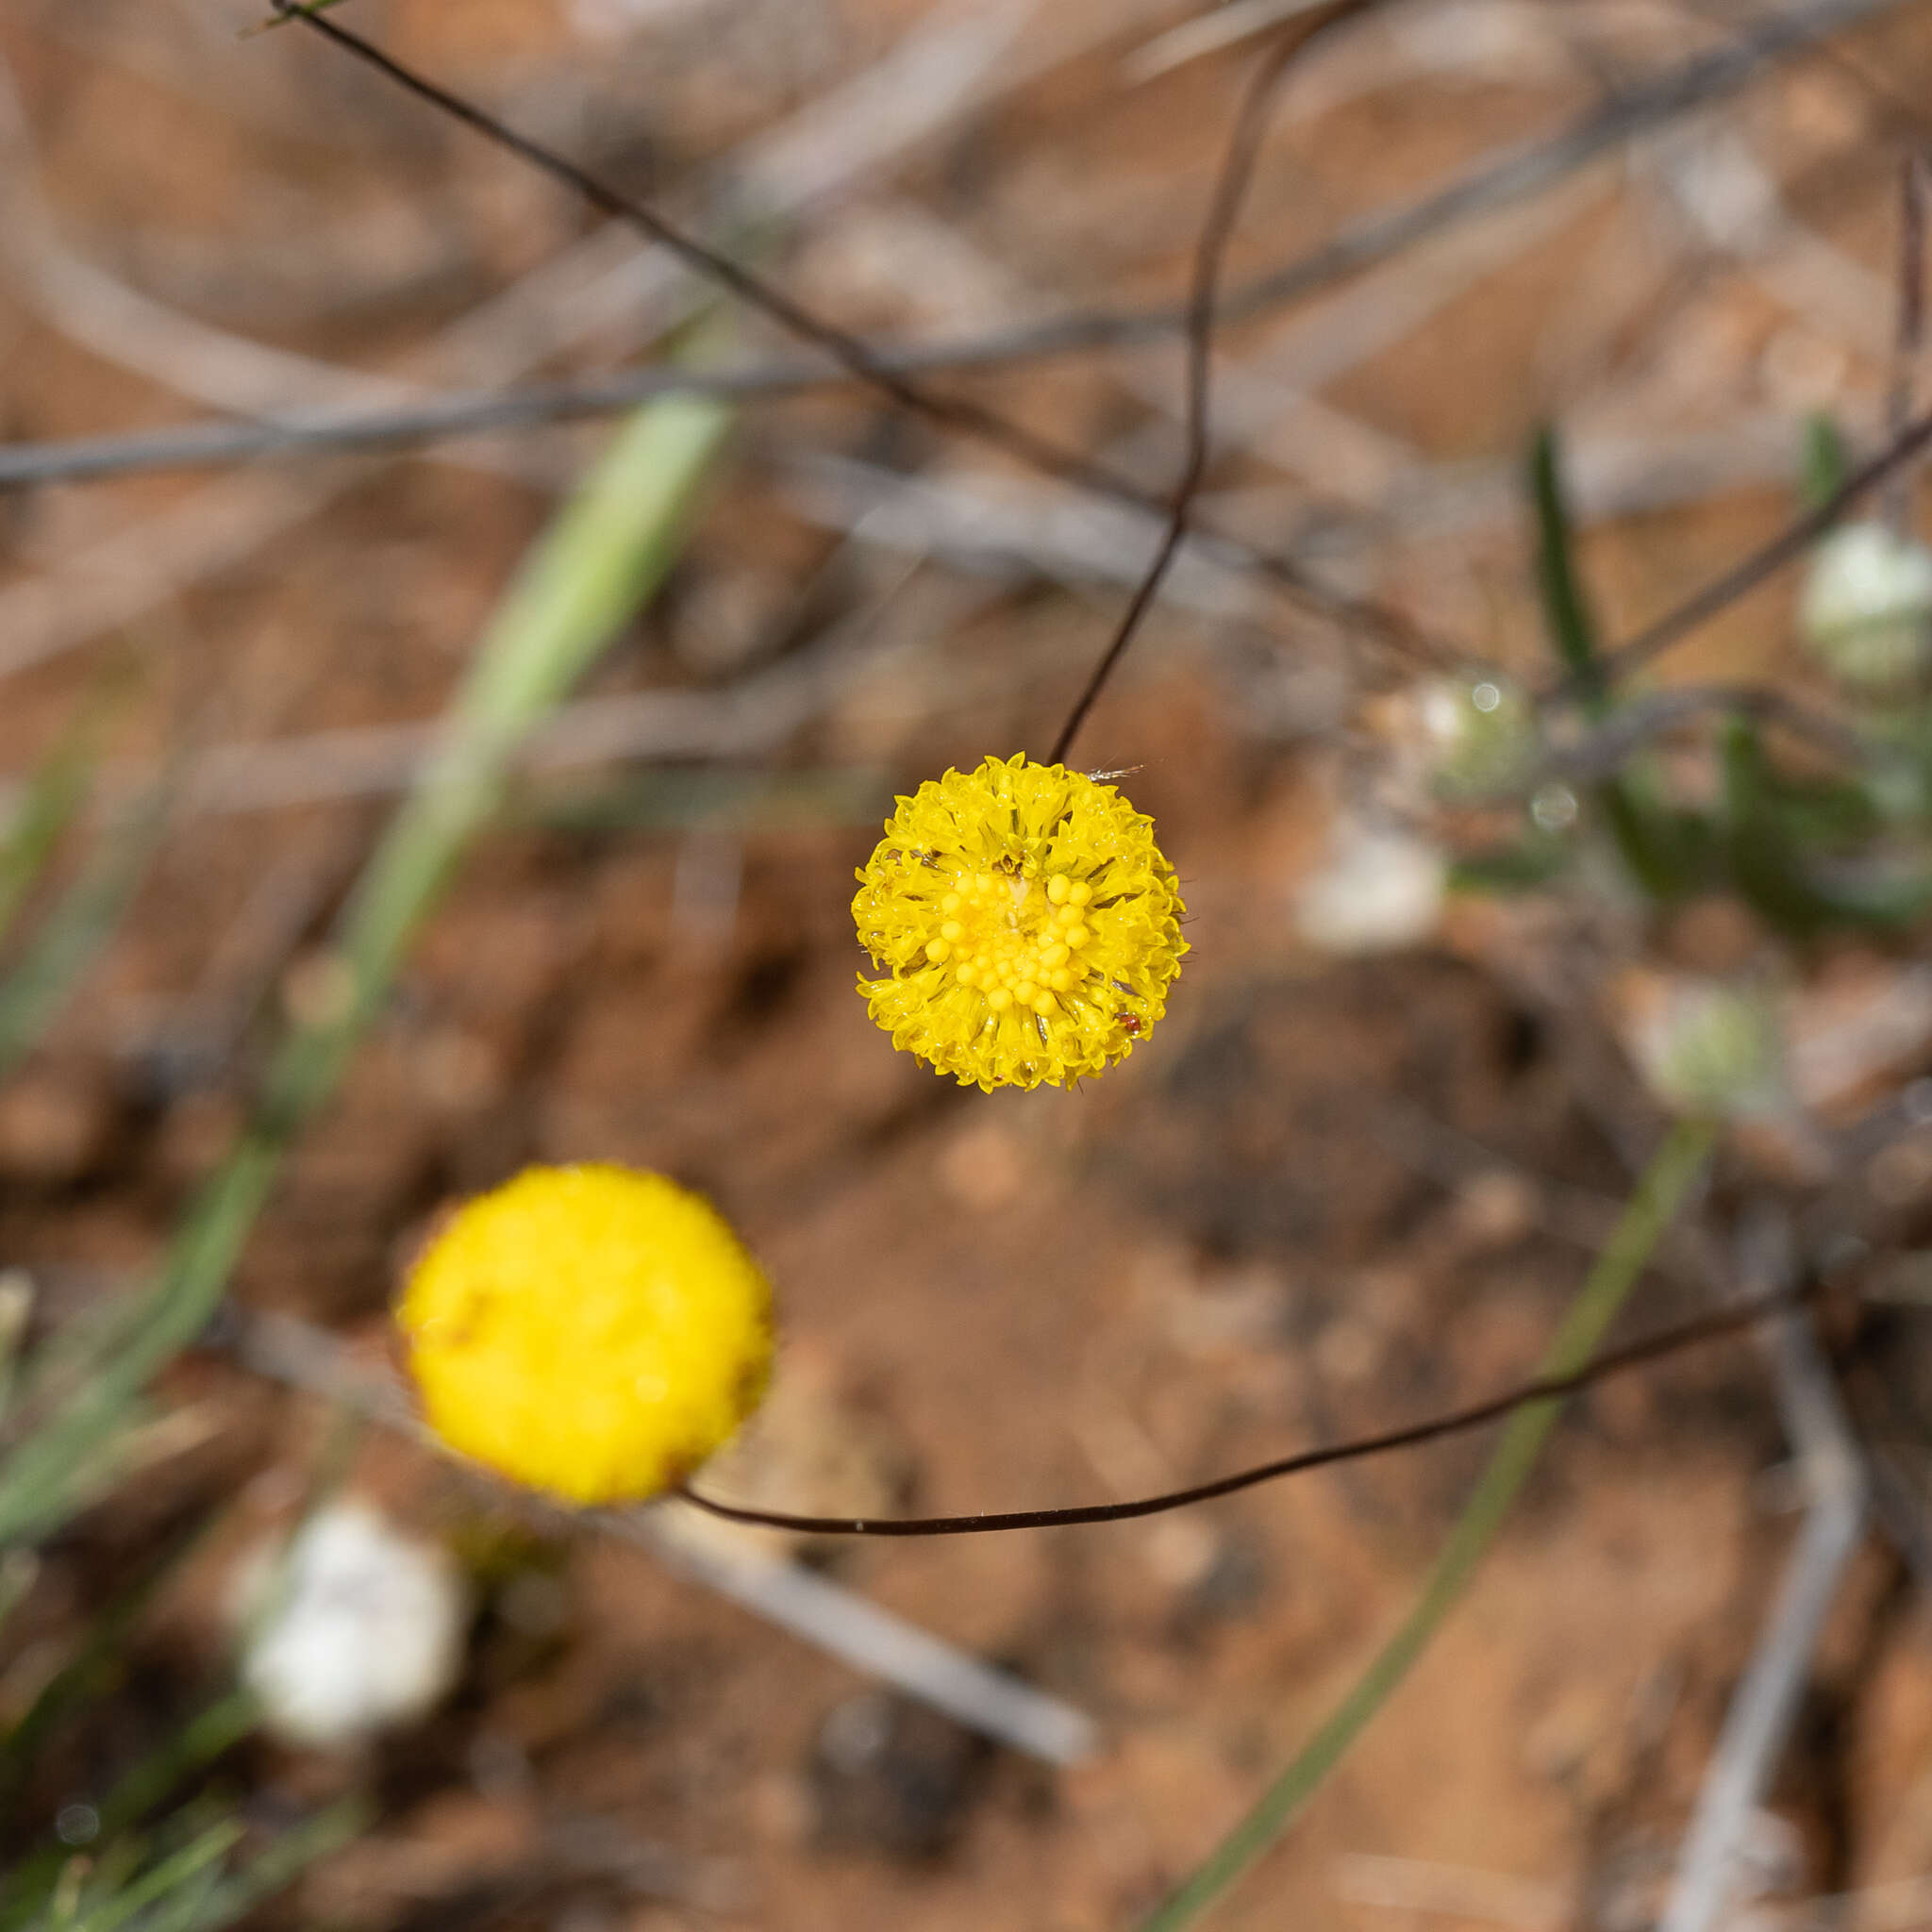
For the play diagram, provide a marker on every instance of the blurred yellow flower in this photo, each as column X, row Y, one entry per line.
column 1028, row 920
column 589, row 1331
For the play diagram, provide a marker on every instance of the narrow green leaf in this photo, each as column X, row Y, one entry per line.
column 1767, row 856
column 56, row 959
column 48, row 802
column 1660, row 1192
column 602, row 559
column 94, row 1665
column 282, row 1863
column 1567, row 617
column 1665, row 852
column 1823, row 466
column 173, row 1873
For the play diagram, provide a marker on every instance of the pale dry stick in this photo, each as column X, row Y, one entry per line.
column 950, row 410
column 1613, row 474
column 1267, row 400
column 848, row 1626
column 107, row 583
column 1455, row 1892
column 1664, row 633
column 1514, row 29
column 1223, row 26
column 215, row 367
column 1511, row 175
column 1715, row 180
column 117, row 323
column 742, row 721
column 1004, row 527
column 1766, row 1701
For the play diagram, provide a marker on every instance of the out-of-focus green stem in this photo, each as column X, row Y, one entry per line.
column 1659, row 1191
column 605, row 554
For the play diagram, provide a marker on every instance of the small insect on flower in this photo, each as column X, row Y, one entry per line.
column 1028, row 924
column 590, row 1331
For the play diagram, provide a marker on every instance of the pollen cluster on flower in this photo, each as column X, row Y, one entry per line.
column 1028, row 920
column 590, row 1331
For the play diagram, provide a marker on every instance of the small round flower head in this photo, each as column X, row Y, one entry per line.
column 1380, row 891
column 1482, row 730
column 1028, row 924
column 1713, row 1049
column 588, row 1331
column 351, row 1628
column 1866, row 611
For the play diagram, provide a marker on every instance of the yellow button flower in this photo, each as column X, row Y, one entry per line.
column 588, row 1331
column 1028, row 920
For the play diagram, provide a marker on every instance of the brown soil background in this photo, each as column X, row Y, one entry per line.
column 1322, row 1197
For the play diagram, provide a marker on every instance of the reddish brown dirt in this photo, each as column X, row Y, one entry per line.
column 1238, row 1241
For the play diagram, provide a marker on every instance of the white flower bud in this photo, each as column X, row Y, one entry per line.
column 1866, row 611
column 1380, row 891
column 1708, row 1048
column 1482, row 730
column 349, row 1628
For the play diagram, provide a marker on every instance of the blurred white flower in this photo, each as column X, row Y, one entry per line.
column 1866, row 611
column 1706, row 1048
column 1482, row 730
column 1380, row 891
column 348, row 1628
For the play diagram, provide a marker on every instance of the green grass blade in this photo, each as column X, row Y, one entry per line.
column 1566, row 610
column 602, row 559
column 53, row 794
column 1822, row 466
column 180, row 1868
column 1658, row 1194
column 1766, row 852
column 281, row 1864
column 91, row 1670
column 57, row 957
column 710, row 800
column 198, row 1743
column 1664, row 852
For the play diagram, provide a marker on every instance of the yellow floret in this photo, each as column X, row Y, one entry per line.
column 589, row 1331
column 1047, row 888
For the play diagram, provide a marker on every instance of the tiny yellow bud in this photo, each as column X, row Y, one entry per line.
column 999, row 999
column 1057, row 888
column 937, row 950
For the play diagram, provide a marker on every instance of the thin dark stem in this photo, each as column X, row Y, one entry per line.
column 1606, row 749
column 852, row 354
column 1911, row 329
column 953, row 412
column 1210, row 257
column 1496, row 182
column 1614, row 1362
column 1789, row 544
